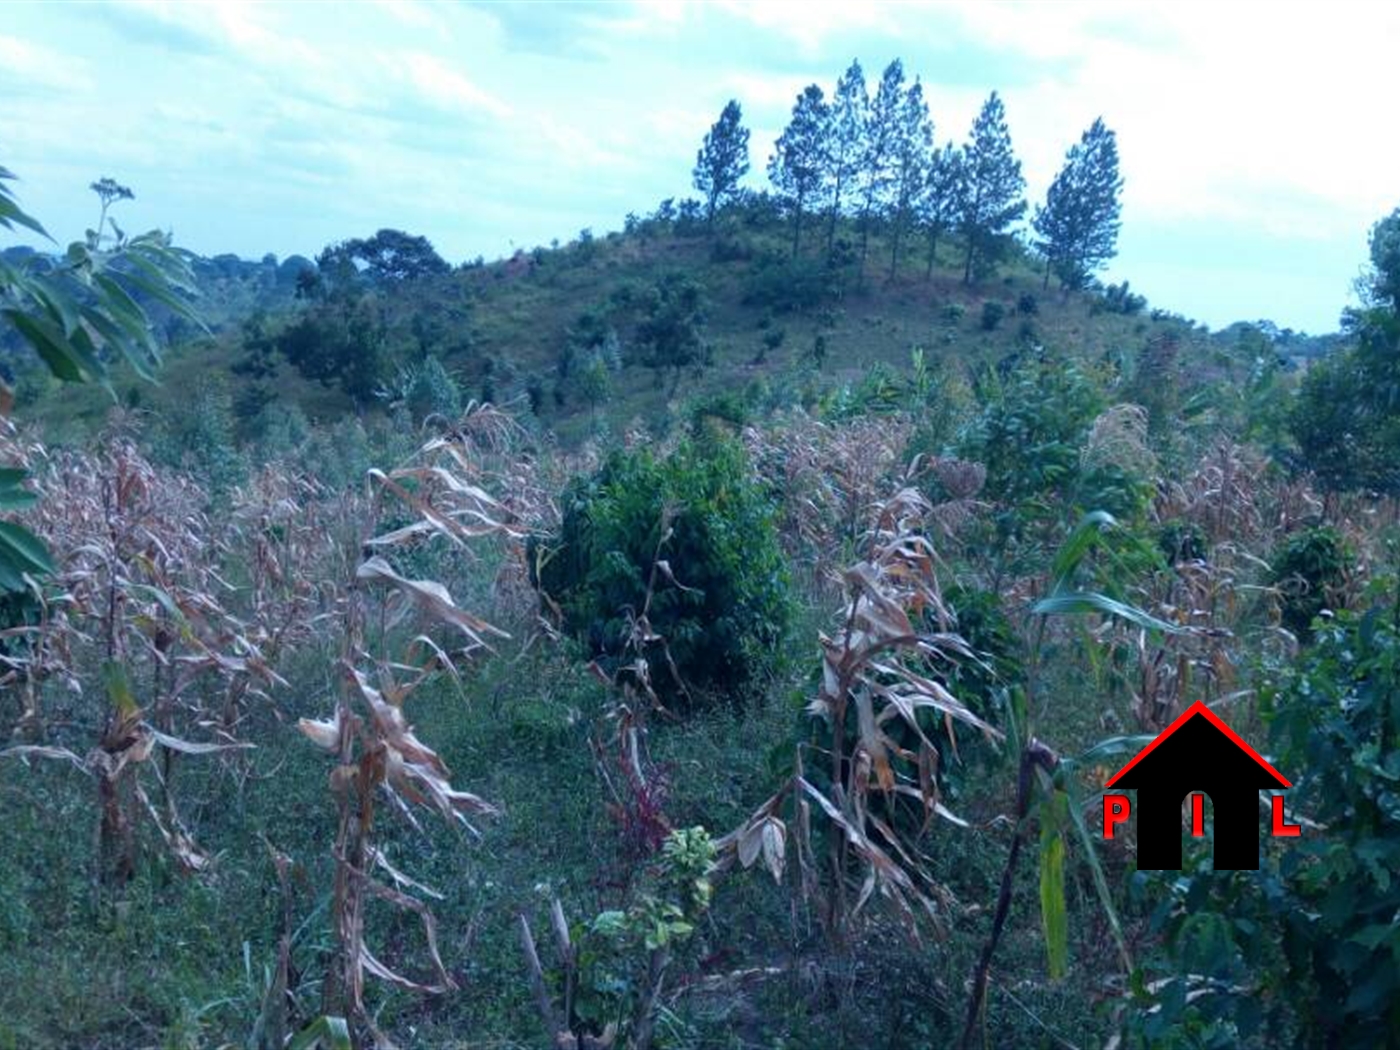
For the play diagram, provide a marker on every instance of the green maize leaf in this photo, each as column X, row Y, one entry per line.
column 24, row 549
column 119, row 694
column 1079, row 602
column 1054, row 915
column 1091, row 853
column 330, row 1033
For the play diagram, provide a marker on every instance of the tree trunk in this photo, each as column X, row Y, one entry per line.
column 894, row 248
column 831, row 223
column 971, row 248
column 932, row 249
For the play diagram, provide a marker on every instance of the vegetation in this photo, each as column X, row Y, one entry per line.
column 416, row 661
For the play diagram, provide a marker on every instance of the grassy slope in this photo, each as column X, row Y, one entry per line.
column 521, row 314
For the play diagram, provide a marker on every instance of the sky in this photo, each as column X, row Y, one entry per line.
column 1255, row 140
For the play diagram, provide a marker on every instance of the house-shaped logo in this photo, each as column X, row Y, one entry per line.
column 1197, row 755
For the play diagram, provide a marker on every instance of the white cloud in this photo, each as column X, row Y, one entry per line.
column 443, row 86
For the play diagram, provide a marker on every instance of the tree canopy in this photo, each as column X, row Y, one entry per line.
column 723, row 159
column 1077, row 227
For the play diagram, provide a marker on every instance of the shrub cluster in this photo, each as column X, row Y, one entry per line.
column 721, row 610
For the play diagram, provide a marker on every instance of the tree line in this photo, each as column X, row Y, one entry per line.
column 874, row 158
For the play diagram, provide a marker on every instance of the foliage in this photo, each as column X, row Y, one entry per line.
column 796, row 166
column 671, row 334
column 1031, row 428
column 723, row 159
column 992, row 314
column 871, row 766
column 339, row 340
column 1078, row 225
column 75, row 313
column 390, row 256
column 1309, row 572
column 696, row 524
column 991, row 188
column 1302, row 951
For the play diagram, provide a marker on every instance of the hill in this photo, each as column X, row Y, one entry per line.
column 778, row 331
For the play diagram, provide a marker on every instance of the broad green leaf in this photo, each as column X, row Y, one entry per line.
column 11, row 215
column 119, row 694
column 1078, row 602
column 326, row 1033
column 49, row 344
column 1054, row 916
column 23, row 548
column 1111, row 748
column 1079, row 543
column 1091, row 853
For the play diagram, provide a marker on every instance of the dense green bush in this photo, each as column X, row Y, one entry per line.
column 784, row 284
column 1031, row 427
column 1308, row 570
column 992, row 314
column 722, row 609
column 1303, row 951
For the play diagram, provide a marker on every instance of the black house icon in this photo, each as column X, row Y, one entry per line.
column 1198, row 753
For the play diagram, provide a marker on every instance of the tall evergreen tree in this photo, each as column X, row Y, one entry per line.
column 845, row 141
column 991, row 188
column 1077, row 228
column 939, row 206
column 913, row 149
column 877, row 162
column 798, row 163
column 723, row 159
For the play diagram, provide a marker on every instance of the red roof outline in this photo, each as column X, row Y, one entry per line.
column 1199, row 708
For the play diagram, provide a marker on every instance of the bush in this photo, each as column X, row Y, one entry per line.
column 1309, row 571
column 784, row 284
column 1027, row 305
column 952, row 313
column 1180, row 541
column 992, row 314
column 723, row 608
column 1302, row 951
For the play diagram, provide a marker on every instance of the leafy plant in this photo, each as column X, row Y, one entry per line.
column 698, row 519
column 1309, row 572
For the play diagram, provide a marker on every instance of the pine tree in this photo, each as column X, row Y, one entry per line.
column 723, row 159
column 913, row 148
column 845, row 141
column 877, row 162
column 1077, row 228
column 942, row 197
column 798, row 163
column 991, row 188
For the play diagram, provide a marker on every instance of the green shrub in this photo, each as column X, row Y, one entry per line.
column 1309, row 570
column 1301, row 952
column 992, row 314
column 724, row 608
column 1181, row 541
column 783, row 284
column 1031, row 428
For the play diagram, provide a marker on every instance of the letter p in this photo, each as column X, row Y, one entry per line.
column 1115, row 811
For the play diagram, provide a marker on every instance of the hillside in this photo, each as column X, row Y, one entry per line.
column 500, row 328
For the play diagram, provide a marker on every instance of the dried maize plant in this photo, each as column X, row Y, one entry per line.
column 960, row 480
column 1223, row 497
column 1119, row 438
column 637, row 787
column 828, row 477
column 872, row 768
column 377, row 754
column 138, row 592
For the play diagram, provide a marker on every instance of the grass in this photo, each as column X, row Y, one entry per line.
column 519, row 318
